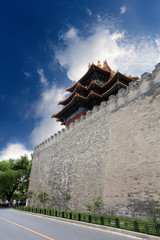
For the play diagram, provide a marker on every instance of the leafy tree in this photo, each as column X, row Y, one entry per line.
column 89, row 207
column 14, row 177
column 43, row 198
column 97, row 204
column 93, row 208
column 67, row 198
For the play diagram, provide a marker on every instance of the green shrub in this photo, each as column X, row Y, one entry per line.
column 43, row 197
column 38, row 210
column 95, row 207
column 96, row 218
column 43, row 211
column 89, row 207
column 109, row 221
column 25, row 208
column 85, row 217
column 75, row 216
column 53, row 212
column 47, row 211
column 60, row 213
column 67, row 198
column 30, row 209
column 66, row 214
column 35, row 210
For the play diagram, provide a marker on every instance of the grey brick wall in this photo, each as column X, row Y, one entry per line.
column 113, row 152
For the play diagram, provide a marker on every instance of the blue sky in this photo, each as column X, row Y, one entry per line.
column 46, row 45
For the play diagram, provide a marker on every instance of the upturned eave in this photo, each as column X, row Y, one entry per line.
column 92, row 68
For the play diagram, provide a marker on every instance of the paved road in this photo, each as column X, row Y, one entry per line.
column 21, row 226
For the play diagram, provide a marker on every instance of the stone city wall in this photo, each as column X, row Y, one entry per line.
column 112, row 152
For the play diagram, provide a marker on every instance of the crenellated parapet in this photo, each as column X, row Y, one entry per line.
column 148, row 85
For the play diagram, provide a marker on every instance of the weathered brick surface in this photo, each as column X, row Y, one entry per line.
column 112, row 152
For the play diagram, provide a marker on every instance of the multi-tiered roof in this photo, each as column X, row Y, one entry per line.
column 95, row 86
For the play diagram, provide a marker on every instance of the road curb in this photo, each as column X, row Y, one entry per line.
column 95, row 226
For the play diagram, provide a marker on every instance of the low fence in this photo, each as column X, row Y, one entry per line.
column 127, row 224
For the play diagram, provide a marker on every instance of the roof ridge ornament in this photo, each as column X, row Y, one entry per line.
column 99, row 64
column 106, row 66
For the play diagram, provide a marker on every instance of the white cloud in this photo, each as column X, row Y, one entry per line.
column 99, row 18
column 14, row 151
column 129, row 55
column 123, row 9
column 157, row 41
column 44, row 108
column 71, row 34
column 44, row 129
column 89, row 11
column 43, row 79
column 45, row 126
column 27, row 74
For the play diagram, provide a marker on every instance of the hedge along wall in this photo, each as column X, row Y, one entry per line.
column 127, row 224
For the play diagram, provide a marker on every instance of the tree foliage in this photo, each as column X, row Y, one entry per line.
column 93, row 208
column 89, row 207
column 14, row 177
column 97, row 203
column 67, row 198
column 43, row 198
